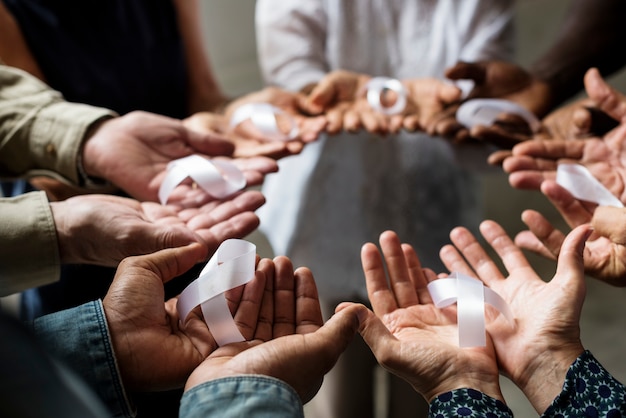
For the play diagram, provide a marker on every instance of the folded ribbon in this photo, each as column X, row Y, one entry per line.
column 485, row 112
column 579, row 181
column 263, row 117
column 470, row 295
column 231, row 266
column 377, row 85
column 218, row 178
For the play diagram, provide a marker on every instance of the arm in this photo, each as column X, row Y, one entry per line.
column 40, row 132
column 597, row 25
column 204, row 91
column 14, row 50
column 291, row 42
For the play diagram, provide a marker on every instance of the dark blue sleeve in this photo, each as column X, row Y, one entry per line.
column 589, row 391
column 467, row 403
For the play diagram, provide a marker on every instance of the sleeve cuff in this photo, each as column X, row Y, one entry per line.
column 468, row 403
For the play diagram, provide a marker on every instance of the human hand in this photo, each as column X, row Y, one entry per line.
column 605, row 250
column 153, row 350
column 103, row 229
column 537, row 352
column 428, row 107
column 309, row 126
column 503, row 80
column 245, row 146
column 292, row 344
column 411, row 337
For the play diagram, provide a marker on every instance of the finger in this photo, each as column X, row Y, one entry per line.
column 526, row 163
column 454, row 261
column 511, row 255
column 529, row 180
column 550, row 238
column 570, row 208
column 381, row 342
column 381, row 297
column 552, row 149
column 401, row 284
column 500, row 135
column 466, row 70
column 570, row 267
column 610, row 222
column 308, row 310
column 335, row 120
column 529, row 241
column 247, row 315
column 411, row 123
column 351, row 121
column 213, row 213
column 498, row 157
column 607, row 99
column 284, row 298
column 417, row 274
column 166, row 264
column 475, row 255
column 265, row 323
column 238, row 226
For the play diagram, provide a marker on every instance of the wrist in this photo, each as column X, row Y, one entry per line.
column 64, row 238
column 543, row 378
column 488, row 384
column 87, row 161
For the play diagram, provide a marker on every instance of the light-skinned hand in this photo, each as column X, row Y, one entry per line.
column 605, row 251
column 411, row 337
column 537, row 351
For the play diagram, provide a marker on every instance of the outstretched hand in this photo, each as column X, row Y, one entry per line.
column 103, row 229
column 537, row 352
column 605, row 250
column 409, row 335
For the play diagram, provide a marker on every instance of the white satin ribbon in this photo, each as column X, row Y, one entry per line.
column 218, row 178
column 470, row 296
column 375, row 88
column 263, row 117
column 486, row 111
column 231, row 266
column 579, row 181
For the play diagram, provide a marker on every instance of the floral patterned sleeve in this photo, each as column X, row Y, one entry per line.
column 589, row 391
column 467, row 403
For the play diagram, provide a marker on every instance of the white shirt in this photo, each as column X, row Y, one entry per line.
column 343, row 191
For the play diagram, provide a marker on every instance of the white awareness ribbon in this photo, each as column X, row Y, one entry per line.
column 579, row 181
column 485, row 112
column 218, row 178
column 263, row 117
column 470, row 296
column 231, row 266
column 375, row 88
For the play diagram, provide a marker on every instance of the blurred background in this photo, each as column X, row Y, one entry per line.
column 232, row 50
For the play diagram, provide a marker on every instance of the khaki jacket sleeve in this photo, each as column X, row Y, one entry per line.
column 29, row 251
column 41, row 133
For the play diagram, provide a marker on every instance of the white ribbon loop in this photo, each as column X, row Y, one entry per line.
column 218, row 178
column 231, row 266
column 375, row 88
column 264, row 118
column 486, row 111
column 470, row 295
column 583, row 186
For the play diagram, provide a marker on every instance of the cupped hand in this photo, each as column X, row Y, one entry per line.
column 132, row 151
column 605, row 250
column 409, row 335
column 293, row 344
column 537, row 352
column 154, row 351
column 103, row 229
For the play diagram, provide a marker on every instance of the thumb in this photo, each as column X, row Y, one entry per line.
column 376, row 335
column 169, row 263
column 465, row 70
column 210, row 144
column 607, row 99
column 570, row 265
column 610, row 222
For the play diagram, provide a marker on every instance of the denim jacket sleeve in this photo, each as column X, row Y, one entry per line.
column 250, row 396
column 80, row 338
